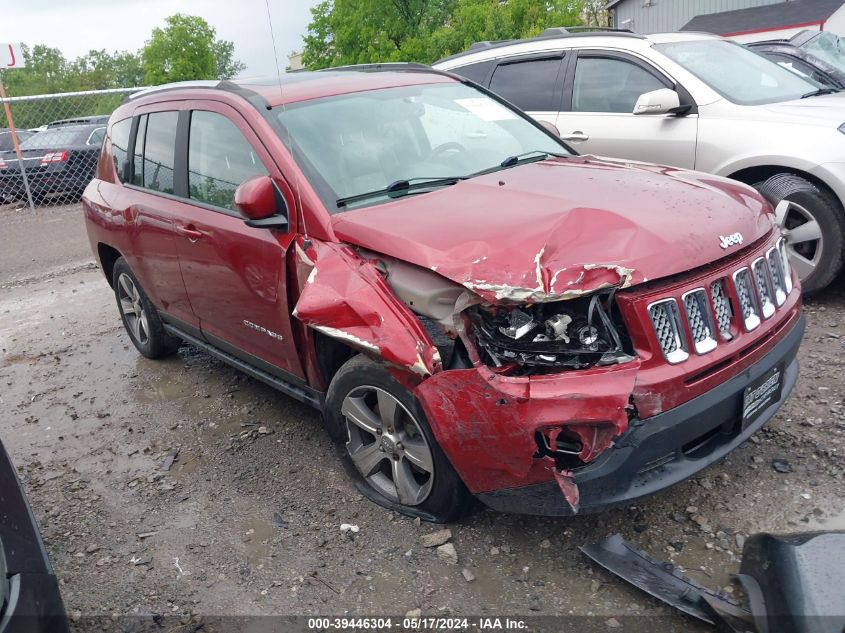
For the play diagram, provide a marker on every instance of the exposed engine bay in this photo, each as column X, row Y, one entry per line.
column 575, row 334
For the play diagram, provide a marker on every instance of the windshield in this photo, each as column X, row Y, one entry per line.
column 736, row 73
column 827, row 47
column 365, row 142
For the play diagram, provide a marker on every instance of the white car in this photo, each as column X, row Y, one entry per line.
column 694, row 101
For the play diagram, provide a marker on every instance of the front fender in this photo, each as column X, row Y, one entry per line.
column 346, row 298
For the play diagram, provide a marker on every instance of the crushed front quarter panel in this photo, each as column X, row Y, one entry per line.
column 346, row 298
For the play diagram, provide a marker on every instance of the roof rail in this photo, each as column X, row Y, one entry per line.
column 475, row 46
column 378, row 67
column 548, row 34
column 198, row 83
column 568, row 30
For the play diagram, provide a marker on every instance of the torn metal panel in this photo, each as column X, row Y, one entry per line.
column 486, row 423
column 346, row 298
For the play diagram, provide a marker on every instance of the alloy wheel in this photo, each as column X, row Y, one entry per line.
column 132, row 308
column 803, row 236
column 387, row 445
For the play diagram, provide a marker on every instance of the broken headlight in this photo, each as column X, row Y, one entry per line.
column 575, row 334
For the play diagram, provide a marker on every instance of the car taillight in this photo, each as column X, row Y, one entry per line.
column 54, row 157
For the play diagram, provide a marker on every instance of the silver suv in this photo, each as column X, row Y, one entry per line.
column 693, row 101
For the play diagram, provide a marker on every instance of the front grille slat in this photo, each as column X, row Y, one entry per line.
column 784, row 263
column 765, row 292
column 699, row 320
column 722, row 308
column 747, row 302
column 666, row 319
column 778, row 282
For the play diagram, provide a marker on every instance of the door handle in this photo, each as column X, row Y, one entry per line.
column 189, row 231
column 576, row 137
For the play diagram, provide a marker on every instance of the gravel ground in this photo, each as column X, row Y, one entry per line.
column 183, row 487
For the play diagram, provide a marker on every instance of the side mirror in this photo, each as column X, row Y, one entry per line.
column 663, row 101
column 551, row 127
column 261, row 203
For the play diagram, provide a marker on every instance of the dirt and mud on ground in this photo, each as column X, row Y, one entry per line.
column 183, row 487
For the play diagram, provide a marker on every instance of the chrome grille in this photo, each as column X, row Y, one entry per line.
column 764, row 287
column 778, row 282
column 666, row 319
column 700, row 321
column 722, row 307
column 745, row 294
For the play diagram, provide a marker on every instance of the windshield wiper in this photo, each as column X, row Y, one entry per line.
column 400, row 188
column 821, row 91
column 532, row 156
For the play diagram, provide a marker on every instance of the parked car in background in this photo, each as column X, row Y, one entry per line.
column 819, row 55
column 6, row 141
column 29, row 594
column 474, row 307
column 695, row 101
column 59, row 161
column 99, row 119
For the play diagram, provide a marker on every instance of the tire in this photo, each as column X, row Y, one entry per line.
column 814, row 224
column 140, row 317
column 379, row 457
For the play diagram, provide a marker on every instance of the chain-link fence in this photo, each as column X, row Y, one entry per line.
column 49, row 145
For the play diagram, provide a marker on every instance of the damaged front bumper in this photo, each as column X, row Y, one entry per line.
column 651, row 455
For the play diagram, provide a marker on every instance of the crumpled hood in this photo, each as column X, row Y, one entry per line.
column 559, row 228
column 821, row 110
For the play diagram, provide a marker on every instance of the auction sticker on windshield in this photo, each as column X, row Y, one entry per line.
column 486, row 109
column 760, row 394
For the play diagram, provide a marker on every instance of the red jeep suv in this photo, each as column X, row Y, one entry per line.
column 475, row 308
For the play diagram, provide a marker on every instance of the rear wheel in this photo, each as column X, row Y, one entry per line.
column 813, row 224
column 139, row 316
column 388, row 446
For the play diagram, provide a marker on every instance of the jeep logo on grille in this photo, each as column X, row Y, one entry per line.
column 726, row 241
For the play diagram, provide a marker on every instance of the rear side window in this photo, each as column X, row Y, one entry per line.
column 120, row 147
column 475, row 72
column 138, row 158
column 159, row 151
column 604, row 84
column 530, row 85
column 219, row 159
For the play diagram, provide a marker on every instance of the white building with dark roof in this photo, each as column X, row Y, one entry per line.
column 744, row 20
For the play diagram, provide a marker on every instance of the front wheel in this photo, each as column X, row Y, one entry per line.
column 814, row 227
column 388, row 446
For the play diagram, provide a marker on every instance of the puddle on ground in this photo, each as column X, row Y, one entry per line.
column 163, row 389
column 256, row 536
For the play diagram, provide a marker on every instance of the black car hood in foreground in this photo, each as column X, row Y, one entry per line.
column 29, row 595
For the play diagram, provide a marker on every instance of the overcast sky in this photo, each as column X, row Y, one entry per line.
column 77, row 26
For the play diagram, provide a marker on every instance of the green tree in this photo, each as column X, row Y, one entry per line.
column 46, row 71
column 224, row 54
column 362, row 31
column 187, row 48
